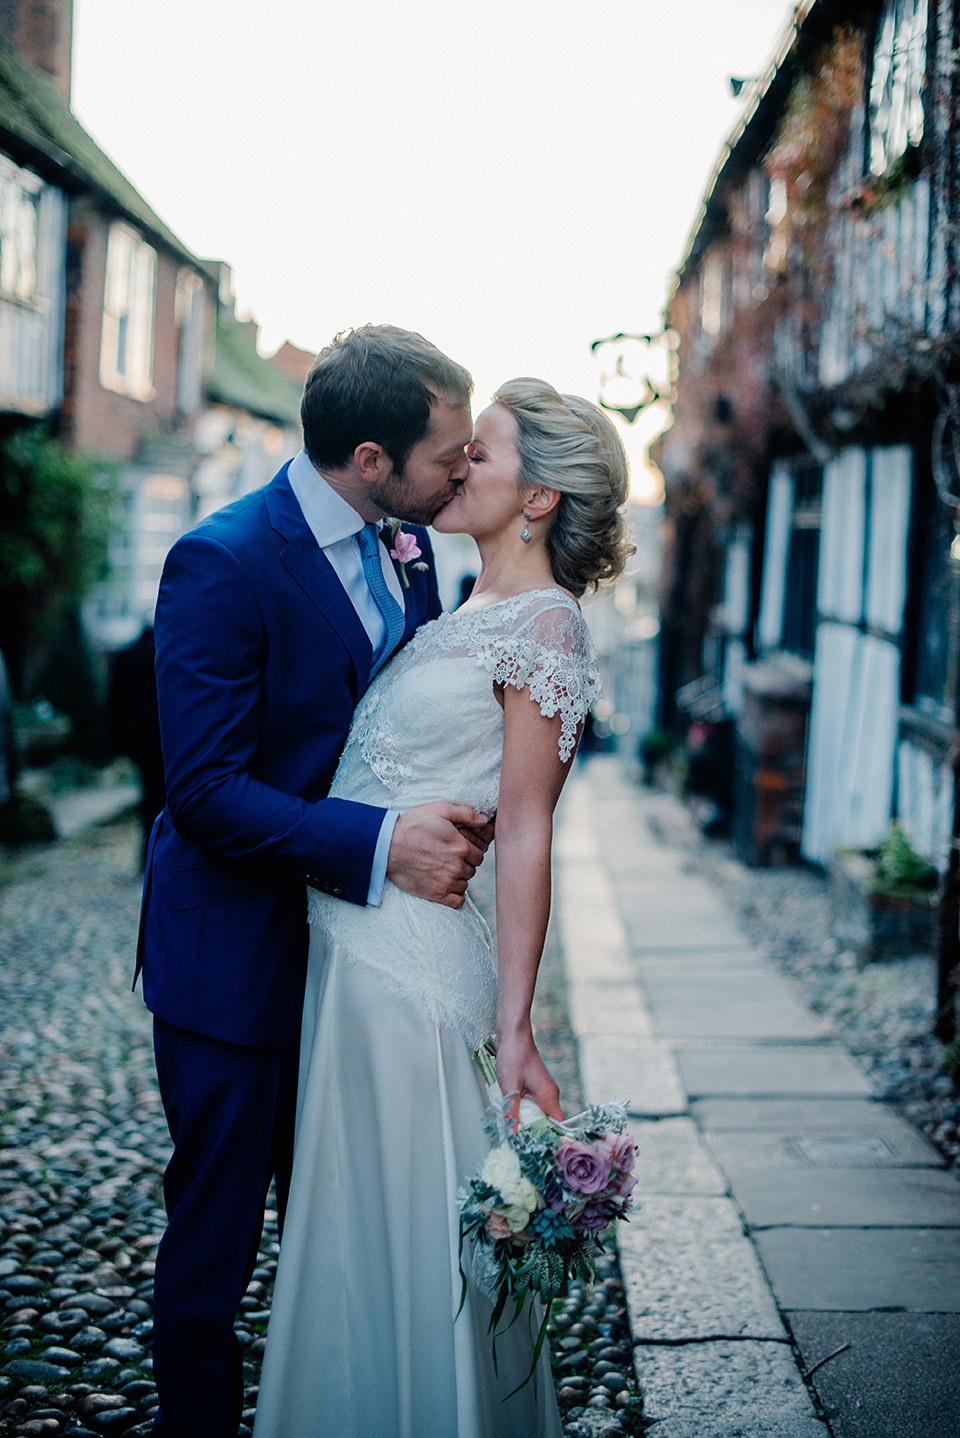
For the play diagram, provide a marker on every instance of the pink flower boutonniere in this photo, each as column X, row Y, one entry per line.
column 405, row 549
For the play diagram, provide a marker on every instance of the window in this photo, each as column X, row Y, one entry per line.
column 803, row 556
column 19, row 198
column 126, row 348
column 791, row 563
column 932, row 598
column 776, row 248
column 189, row 318
column 711, row 295
column 897, row 83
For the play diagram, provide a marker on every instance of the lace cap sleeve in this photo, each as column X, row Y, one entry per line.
column 548, row 649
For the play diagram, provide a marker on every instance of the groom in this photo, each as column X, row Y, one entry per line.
column 273, row 616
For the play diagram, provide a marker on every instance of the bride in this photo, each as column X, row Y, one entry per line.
column 483, row 706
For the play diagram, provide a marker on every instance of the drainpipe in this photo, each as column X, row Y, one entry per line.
column 948, row 956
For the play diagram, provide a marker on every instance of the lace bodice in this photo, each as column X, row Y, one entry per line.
column 430, row 726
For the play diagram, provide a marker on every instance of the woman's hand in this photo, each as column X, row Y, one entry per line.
column 522, row 1073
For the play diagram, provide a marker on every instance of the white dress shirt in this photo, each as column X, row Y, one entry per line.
column 335, row 525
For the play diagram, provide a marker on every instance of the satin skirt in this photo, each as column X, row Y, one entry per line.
column 363, row 1340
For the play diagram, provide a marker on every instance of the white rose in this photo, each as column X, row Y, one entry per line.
column 517, row 1217
column 521, row 1194
column 501, row 1167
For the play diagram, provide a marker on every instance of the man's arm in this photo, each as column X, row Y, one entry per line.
column 210, row 648
column 211, row 645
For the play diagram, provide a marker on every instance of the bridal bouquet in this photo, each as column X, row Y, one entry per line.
column 535, row 1210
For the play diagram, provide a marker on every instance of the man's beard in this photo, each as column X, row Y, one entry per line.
column 395, row 498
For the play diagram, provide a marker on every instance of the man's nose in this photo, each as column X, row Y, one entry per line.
column 461, row 469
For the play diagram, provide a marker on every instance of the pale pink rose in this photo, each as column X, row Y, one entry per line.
column 498, row 1226
column 405, row 547
column 624, row 1184
column 583, row 1167
column 622, row 1153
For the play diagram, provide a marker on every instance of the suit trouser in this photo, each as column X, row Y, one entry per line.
column 230, row 1110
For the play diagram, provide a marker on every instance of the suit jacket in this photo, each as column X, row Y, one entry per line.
column 261, row 659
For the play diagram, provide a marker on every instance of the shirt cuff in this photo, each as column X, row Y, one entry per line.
column 378, row 871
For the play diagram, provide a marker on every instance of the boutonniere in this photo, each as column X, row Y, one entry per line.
column 405, row 549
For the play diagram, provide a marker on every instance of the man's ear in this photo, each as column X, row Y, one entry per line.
column 370, row 461
column 541, row 501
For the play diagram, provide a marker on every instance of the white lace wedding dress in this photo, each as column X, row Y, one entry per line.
column 363, row 1342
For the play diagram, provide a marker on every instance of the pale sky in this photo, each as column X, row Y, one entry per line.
column 514, row 178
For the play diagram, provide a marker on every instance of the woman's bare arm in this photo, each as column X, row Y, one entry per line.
column 532, row 776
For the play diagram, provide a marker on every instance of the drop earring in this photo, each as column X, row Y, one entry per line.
column 525, row 534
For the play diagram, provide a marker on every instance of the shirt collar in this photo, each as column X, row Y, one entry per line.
column 327, row 513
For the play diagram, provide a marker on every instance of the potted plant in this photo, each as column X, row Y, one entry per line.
column 883, row 900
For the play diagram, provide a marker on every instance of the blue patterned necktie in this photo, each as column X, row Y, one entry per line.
column 368, row 539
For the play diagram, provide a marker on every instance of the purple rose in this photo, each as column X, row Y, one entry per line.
column 583, row 1167
column 596, row 1214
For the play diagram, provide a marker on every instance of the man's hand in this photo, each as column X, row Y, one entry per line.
column 436, row 849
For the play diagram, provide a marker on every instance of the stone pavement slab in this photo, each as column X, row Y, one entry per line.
column 639, row 1070
column 689, row 1272
column 608, row 1009
column 845, row 1197
column 775, row 1069
column 671, row 1158
column 725, row 1390
column 821, row 1130
column 854, row 1269
column 864, row 1393
column 656, row 916
column 687, row 967
column 720, row 1015
column 749, row 1095
column 858, row 1145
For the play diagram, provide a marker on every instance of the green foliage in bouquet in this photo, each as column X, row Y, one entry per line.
column 535, row 1211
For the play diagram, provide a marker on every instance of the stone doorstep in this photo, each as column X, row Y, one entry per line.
column 725, row 1389
column 690, row 1272
column 862, row 1269
column 79, row 809
column 769, row 1071
column 862, row 1392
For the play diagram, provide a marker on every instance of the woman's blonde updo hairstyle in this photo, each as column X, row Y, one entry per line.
column 566, row 443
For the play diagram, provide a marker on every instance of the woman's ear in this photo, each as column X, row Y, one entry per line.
column 540, row 502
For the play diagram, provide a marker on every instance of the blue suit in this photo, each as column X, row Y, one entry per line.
column 261, row 659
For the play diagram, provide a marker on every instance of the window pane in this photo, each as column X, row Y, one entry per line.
column 930, row 665
column 803, row 558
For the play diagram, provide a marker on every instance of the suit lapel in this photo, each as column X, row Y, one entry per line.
column 309, row 566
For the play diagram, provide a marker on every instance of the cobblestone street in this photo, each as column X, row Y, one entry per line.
column 83, row 1145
